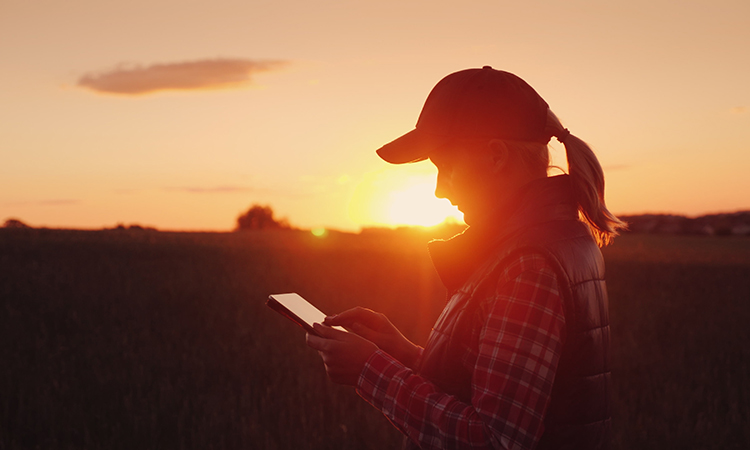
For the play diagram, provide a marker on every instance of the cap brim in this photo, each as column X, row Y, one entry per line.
column 411, row 147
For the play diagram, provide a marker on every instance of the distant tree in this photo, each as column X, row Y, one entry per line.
column 15, row 223
column 260, row 217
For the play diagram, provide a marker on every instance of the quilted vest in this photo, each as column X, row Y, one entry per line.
column 545, row 223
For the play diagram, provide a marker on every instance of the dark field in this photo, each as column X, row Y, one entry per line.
column 129, row 339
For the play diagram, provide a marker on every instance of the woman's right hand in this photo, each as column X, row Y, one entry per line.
column 376, row 328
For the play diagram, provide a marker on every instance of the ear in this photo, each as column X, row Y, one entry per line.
column 499, row 155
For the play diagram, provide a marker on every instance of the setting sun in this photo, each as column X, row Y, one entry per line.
column 416, row 204
column 398, row 196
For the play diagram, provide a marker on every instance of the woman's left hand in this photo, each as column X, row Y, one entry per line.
column 344, row 354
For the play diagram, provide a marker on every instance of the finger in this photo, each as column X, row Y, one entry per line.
column 365, row 332
column 364, row 322
column 327, row 332
column 363, row 316
column 347, row 317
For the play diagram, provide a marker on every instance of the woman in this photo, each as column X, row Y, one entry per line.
column 519, row 356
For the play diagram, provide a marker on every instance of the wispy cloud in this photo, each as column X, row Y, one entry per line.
column 59, row 202
column 739, row 110
column 211, row 190
column 229, row 190
column 220, row 73
column 614, row 167
column 47, row 202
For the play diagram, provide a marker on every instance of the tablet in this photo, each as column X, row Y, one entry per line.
column 298, row 310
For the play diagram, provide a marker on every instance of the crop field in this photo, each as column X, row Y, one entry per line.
column 137, row 339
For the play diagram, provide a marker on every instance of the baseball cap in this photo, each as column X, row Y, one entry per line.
column 472, row 103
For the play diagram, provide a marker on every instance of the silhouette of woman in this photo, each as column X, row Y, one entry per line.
column 519, row 357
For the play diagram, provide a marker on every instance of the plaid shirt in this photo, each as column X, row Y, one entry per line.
column 519, row 336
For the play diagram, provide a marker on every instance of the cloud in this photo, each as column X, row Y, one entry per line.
column 220, row 73
column 212, row 190
column 59, row 202
column 222, row 190
column 48, row 202
column 615, row 167
column 739, row 110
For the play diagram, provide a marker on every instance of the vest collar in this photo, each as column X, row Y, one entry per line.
column 540, row 201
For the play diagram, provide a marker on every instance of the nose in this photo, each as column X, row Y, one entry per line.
column 443, row 186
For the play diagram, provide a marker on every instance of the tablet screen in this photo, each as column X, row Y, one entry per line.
column 300, row 309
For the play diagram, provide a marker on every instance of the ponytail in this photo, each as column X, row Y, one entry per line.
column 587, row 178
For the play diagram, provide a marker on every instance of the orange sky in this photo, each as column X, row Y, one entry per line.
column 181, row 114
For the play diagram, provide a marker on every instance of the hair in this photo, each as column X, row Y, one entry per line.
column 586, row 176
column 533, row 156
column 587, row 179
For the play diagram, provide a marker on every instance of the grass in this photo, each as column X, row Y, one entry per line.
column 140, row 339
column 680, row 309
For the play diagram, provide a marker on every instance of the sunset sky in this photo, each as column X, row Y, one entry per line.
column 182, row 114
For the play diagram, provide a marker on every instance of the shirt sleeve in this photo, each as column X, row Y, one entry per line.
column 519, row 348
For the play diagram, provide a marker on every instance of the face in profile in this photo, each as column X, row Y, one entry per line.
column 465, row 177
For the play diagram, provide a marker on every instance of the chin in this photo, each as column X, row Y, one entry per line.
column 468, row 218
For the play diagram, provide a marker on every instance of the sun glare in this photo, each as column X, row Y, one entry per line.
column 417, row 205
column 401, row 196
